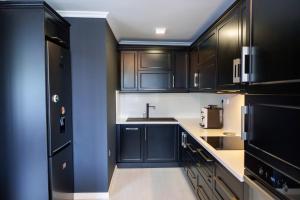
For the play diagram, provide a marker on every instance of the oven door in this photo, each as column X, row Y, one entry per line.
column 272, row 124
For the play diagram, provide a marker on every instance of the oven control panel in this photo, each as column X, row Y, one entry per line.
column 272, row 178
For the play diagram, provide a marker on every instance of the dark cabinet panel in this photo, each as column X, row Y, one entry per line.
column 61, row 170
column 128, row 70
column 207, row 62
column 154, row 80
column 228, row 45
column 194, row 69
column 154, row 60
column 130, row 144
column 180, row 70
column 275, row 41
column 58, row 66
column 227, row 187
column 161, row 143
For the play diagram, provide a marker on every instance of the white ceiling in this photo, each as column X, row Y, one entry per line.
column 135, row 20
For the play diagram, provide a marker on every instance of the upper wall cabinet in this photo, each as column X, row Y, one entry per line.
column 129, row 70
column 154, row 60
column 154, row 69
column 274, row 45
column 229, row 49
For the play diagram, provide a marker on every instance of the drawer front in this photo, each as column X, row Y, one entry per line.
column 61, row 174
column 203, row 188
column 226, row 186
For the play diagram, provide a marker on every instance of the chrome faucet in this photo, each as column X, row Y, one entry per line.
column 147, row 109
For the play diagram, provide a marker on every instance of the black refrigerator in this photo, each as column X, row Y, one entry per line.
column 36, row 142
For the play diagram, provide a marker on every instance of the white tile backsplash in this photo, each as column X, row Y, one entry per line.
column 180, row 105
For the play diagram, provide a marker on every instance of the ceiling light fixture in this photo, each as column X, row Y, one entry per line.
column 160, row 30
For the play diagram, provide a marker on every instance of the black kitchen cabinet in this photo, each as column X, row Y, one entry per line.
column 161, row 143
column 227, row 187
column 207, row 62
column 274, row 44
column 129, row 70
column 194, row 69
column 130, row 144
column 36, row 113
column 154, row 80
column 229, row 48
column 155, row 60
column 147, row 145
column 180, row 70
column 154, row 69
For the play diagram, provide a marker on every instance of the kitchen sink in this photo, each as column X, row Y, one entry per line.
column 151, row 119
column 225, row 142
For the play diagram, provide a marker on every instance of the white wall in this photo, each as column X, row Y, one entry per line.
column 180, row 105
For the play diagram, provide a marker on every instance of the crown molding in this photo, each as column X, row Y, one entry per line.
column 83, row 14
column 157, row 43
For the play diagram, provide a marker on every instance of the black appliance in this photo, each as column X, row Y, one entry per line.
column 270, row 128
column 59, row 116
column 229, row 142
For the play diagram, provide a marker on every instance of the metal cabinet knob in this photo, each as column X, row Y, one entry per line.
column 55, row 98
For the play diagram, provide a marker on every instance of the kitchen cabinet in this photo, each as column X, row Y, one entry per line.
column 274, row 46
column 161, row 143
column 155, row 60
column 207, row 62
column 180, row 71
column 229, row 48
column 154, row 145
column 36, row 113
column 198, row 166
column 226, row 186
column 194, row 69
column 154, row 69
column 129, row 70
column 130, row 143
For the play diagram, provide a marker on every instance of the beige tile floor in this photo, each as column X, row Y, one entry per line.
column 150, row 184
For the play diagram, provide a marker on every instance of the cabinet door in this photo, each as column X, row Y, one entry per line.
column 194, row 69
column 227, row 187
column 228, row 48
column 154, row 80
column 207, row 62
column 130, row 143
column 275, row 41
column 128, row 70
column 161, row 143
column 155, row 60
column 180, row 70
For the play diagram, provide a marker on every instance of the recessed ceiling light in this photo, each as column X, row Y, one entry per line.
column 160, row 30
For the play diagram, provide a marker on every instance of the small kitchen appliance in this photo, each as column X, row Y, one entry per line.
column 211, row 117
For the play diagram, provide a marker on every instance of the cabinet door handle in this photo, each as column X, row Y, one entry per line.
column 145, row 134
column 196, row 75
column 204, row 156
column 236, row 70
column 244, row 112
column 173, row 81
column 190, row 148
column 58, row 40
column 245, row 55
column 182, row 139
column 131, row 129
column 225, row 189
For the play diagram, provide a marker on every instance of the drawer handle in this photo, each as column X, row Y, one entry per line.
column 190, row 148
column 204, row 156
column 58, row 40
column 225, row 189
column 131, row 129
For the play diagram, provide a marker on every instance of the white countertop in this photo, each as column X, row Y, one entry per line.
column 232, row 160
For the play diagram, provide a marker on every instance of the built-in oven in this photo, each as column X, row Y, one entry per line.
column 271, row 130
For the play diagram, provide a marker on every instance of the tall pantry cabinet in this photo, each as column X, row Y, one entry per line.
column 36, row 106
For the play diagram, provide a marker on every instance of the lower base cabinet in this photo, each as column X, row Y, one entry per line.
column 154, row 145
column 208, row 178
